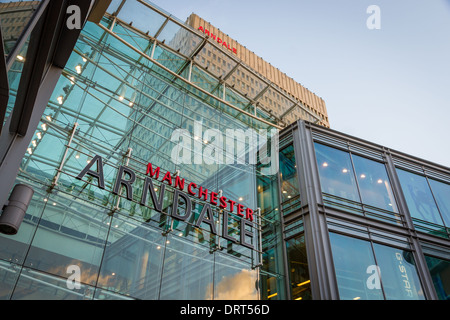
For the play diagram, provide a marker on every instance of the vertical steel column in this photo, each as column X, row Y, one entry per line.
column 422, row 268
column 320, row 260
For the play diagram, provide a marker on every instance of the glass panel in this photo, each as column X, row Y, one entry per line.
column 298, row 267
column 69, row 233
column 418, row 196
column 179, row 38
column 132, row 260
column 398, row 273
column 188, row 271
column 141, row 17
column 440, row 273
column 374, row 184
column 290, row 195
column 34, row 285
column 356, row 271
column 14, row 16
column 288, row 173
column 8, row 276
column 234, row 280
column 441, row 192
column 336, row 173
column 215, row 61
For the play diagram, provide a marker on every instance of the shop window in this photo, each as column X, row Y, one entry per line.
column 370, row 271
column 418, row 197
column 440, row 273
column 350, row 179
column 336, row 172
column 289, row 180
column 441, row 192
column 298, row 269
column 374, row 183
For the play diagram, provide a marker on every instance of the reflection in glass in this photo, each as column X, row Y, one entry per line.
column 288, row 174
column 392, row 275
column 440, row 273
column 132, row 260
column 68, row 233
column 35, row 285
column 398, row 274
column 188, row 271
column 298, row 267
column 441, row 192
column 336, row 173
column 374, row 183
column 418, row 196
column 355, row 267
column 234, row 280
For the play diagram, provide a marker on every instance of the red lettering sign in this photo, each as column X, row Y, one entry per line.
column 203, row 193
column 216, row 38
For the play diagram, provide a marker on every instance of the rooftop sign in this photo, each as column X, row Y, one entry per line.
column 219, row 40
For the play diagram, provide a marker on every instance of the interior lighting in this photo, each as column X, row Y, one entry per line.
column 77, row 156
column 122, row 93
column 240, row 198
column 20, row 57
column 44, row 127
column 303, row 283
column 344, row 170
column 39, row 135
column 34, row 143
column 325, row 164
column 30, row 151
column 133, row 98
column 363, row 176
column 60, row 99
column 284, row 191
column 78, row 68
column 49, row 118
column 72, row 79
column 380, row 181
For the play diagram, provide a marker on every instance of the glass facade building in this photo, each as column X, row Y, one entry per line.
column 153, row 179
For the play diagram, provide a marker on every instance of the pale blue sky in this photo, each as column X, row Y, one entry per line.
column 389, row 86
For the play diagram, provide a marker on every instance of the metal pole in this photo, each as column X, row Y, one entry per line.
column 55, row 180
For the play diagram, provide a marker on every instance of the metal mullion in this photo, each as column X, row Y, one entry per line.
column 26, row 33
column 184, row 80
column 238, row 62
column 161, row 28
